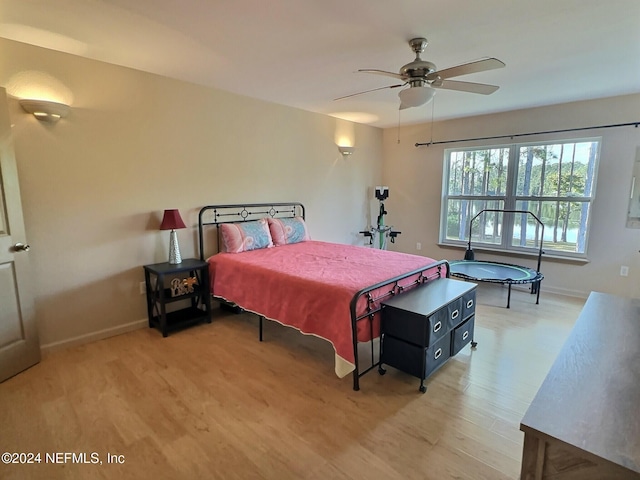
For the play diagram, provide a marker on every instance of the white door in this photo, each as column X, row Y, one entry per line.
column 19, row 346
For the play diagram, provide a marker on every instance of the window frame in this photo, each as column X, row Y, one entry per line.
column 510, row 199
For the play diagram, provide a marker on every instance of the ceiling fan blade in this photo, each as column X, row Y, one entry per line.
column 470, row 87
column 368, row 91
column 383, row 72
column 467, row 68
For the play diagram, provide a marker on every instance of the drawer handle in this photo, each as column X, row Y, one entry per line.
column 455, row 314
column 437, row 327
column 470, row 303
column 465, row 335
column 437, row 354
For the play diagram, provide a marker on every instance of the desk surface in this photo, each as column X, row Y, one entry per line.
column 591, row 397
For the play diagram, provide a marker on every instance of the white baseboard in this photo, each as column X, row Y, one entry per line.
column 93, row 336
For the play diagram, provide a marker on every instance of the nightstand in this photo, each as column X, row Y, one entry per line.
column 186, row 282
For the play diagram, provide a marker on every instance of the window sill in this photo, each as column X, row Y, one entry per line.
column 495, row 251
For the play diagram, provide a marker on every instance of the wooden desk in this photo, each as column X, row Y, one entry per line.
column 584, row 422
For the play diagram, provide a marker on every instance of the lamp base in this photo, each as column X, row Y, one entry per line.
column 174, row 249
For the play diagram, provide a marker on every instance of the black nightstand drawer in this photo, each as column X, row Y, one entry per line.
column 462, row 335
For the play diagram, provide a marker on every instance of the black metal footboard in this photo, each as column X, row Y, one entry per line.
column 389, row 288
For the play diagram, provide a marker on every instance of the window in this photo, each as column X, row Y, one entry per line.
column 554, row 181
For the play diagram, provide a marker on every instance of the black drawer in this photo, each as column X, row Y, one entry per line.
column 453, row 312
column 438, row 354
column 414, row 327
column 468, row 304
column 462, row 335
column 409, row 358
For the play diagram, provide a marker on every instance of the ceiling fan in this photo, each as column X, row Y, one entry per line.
column 422, row 78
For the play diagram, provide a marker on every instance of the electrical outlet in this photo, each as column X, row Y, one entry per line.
column 624, row 271
column 418, row 246
column 143, row 288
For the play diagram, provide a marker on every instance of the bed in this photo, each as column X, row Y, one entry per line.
column 329, row 290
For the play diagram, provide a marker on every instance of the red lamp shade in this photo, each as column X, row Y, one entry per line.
column 172, row 220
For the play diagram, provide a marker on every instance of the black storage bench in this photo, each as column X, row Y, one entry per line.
column 423, row 328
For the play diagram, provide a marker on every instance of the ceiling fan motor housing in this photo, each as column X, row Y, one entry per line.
column 418, row 68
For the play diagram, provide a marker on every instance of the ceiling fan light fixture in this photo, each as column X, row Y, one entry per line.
column 415, row 96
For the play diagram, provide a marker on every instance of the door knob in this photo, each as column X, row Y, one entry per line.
column 21, row 247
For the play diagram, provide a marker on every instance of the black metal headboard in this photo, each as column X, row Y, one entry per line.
column 244, row 212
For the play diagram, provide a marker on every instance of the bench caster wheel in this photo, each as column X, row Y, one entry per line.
column 381, row 371
column 422, row 389
column 474, row 344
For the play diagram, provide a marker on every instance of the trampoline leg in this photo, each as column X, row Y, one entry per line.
column 538, row 293
column 509, row 297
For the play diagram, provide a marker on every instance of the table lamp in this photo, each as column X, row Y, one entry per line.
column 172, row 221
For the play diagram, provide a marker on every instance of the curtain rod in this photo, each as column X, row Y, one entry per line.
column 635, row 124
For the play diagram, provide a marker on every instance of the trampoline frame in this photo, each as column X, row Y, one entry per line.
column 534, row 281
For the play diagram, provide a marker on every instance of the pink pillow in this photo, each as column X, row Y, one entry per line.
column 242, row 237
column 288, row 230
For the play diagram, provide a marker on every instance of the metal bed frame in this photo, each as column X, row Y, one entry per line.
column 213, row 215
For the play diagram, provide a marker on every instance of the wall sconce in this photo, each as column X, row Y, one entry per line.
column 346, row 151
column 45, row 110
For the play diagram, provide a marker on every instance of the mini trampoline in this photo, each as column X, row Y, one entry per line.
column 496, row 272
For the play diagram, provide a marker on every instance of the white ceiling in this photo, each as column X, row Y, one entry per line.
column 305, row 53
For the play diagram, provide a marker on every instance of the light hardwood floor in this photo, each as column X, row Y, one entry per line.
column 212, row 402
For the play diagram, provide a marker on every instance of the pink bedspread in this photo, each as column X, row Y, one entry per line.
column 309, row 286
